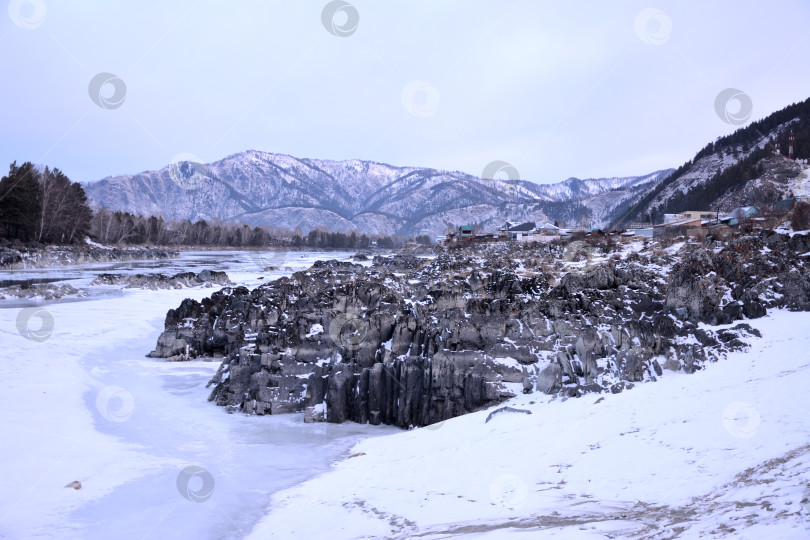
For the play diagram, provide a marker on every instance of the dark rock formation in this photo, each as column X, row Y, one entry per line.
column 720, row 286
column 44, row 291
column 411, row 341
column 502, row 410
column 206, row 278
column 9, row 258
column 34, row 255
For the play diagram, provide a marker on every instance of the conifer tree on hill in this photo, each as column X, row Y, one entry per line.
column 20, row 206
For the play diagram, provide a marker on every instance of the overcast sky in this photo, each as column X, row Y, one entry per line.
column 555, row 88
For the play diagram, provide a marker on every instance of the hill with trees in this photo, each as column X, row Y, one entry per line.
column 724, row 166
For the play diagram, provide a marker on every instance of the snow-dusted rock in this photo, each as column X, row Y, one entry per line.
column 40, row 291
column 206, row 278
column 34, row 255
column 412, row 341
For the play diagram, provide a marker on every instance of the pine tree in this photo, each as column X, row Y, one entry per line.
column 20, row 206
column 77, row 223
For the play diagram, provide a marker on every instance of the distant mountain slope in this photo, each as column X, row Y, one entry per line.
column 777, row 178
column 719, row 175
column 262, row 188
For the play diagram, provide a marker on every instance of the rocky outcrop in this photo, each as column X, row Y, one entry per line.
column 206, row 278
column 18, row 255
column 411, row 341
column 504, row 410
column 41, row 291
column 719, row 285
column 54, row 291
column 9, row 258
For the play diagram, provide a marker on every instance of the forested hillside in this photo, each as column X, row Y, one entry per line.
column 724, row 165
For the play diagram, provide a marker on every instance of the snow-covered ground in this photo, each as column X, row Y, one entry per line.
column 724, row 452
column 721, row 453
column 80, row 402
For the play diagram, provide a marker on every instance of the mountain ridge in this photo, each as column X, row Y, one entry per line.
column 264, row 188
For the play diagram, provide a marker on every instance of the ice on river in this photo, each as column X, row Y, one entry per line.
column 154, row 458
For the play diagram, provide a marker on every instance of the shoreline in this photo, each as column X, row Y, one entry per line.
column 142, row 421
column 29, row 257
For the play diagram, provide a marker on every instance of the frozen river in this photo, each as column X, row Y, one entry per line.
column 154, row 458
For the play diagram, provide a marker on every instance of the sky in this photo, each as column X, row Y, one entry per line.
column 554, row 89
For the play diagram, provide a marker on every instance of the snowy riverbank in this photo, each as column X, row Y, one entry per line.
column 25, row 256
column 82, row 403
column 725, row 451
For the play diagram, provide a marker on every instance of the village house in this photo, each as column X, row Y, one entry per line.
column 674, row 228
column 521, row 232
column 547, row 229
column 786, row 205
column 530, row 232
column 689, row 216
column 633, row 225
column 466, row 232
column 739, row 214
column 503, row 232
column 685, row 222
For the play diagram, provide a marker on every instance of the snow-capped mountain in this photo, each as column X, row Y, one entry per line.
column 260, row 188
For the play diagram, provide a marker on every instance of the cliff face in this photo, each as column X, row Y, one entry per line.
column 412, row 341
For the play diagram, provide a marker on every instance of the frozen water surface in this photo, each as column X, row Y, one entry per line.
column 155, row 459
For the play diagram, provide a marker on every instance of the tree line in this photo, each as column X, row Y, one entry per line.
column 749, row 135
column 42, row 205
column 119, row 227
column 46, row 207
